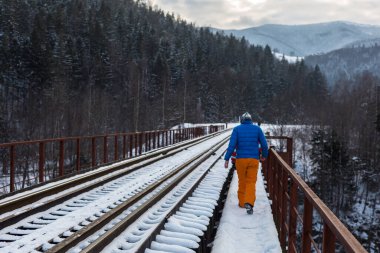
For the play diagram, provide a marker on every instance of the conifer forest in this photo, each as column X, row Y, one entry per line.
column 85, row 67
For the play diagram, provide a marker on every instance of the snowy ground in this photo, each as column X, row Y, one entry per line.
column 239, row 232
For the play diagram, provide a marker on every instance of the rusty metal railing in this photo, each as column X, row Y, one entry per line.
column 27, row 163
column 294, row 215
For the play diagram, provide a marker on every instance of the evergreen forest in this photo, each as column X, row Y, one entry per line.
column 78, row 67
column 86, row 67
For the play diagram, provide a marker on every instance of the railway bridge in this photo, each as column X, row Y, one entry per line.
column 37, row 175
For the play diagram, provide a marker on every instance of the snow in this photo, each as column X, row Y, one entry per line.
column 180, row 235
column 125, row 188
column 183, row 228
column 171, row 248
column 177, row 241
column 239, row 232
column 180, row 225
column 290, row 59
column 76, row 177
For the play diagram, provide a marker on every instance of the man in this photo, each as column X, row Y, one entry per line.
column 246, row 138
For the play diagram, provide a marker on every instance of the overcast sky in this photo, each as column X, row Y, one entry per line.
column 238, row 14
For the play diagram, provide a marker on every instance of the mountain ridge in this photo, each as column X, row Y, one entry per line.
column 307, row 39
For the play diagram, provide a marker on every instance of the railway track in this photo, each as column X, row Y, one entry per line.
column 124, row 195
column 25, row 204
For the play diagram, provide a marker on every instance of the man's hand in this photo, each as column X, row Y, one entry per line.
column 262, row 159
column 226, row 164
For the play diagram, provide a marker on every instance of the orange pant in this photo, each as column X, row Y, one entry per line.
column 247, row 174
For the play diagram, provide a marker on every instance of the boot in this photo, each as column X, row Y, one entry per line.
column 249, row 208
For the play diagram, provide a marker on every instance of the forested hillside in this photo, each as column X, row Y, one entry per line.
column 83, row 67
column 346, row 63
column 344, row 153
column 310, row 39
column 75, row 67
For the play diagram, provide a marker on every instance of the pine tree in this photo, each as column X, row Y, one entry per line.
column 333, row 173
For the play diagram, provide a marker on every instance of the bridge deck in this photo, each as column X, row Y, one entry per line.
column 243, row 233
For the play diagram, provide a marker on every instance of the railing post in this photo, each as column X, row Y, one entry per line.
column 289, row 149
column 61, row 157
column 166, row 138
column 78, row 154
column 12, row 168
column 328, row 240
column 145, row 138
column 157, row 139
column 149, row 140
column 124, row 146
column 130, row 145
column 93, row 151
column 154, row 140
column 307, row 226
column 41, row 162
column 140, row 143
column 116, row 155
column 280, row 191
column 105, row 149
column 293, row 218
column 284, row 207
column 276, row 186
column 135, row 137
column 270, row 176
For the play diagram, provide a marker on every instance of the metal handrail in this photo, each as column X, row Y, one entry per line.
column 73, row 154
column 283, row 181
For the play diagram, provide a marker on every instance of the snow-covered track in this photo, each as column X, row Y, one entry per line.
column 125, row 214
column 43, row 230
column 190, row 226
column 68, row 188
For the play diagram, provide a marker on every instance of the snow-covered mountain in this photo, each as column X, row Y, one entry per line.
column 302, row 40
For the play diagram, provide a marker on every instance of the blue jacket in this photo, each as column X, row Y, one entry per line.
column 245, row 138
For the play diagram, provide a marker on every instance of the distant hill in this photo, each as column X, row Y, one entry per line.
column 347, row 62
column 303, row 40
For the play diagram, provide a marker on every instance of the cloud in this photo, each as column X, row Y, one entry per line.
column 237, row 14
column 241, row 21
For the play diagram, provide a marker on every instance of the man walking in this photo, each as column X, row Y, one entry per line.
column 246, row 138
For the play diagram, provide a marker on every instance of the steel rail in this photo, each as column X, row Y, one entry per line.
column 146, row 242
column 77, row 154
column 106, row 238
column 149, row 158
